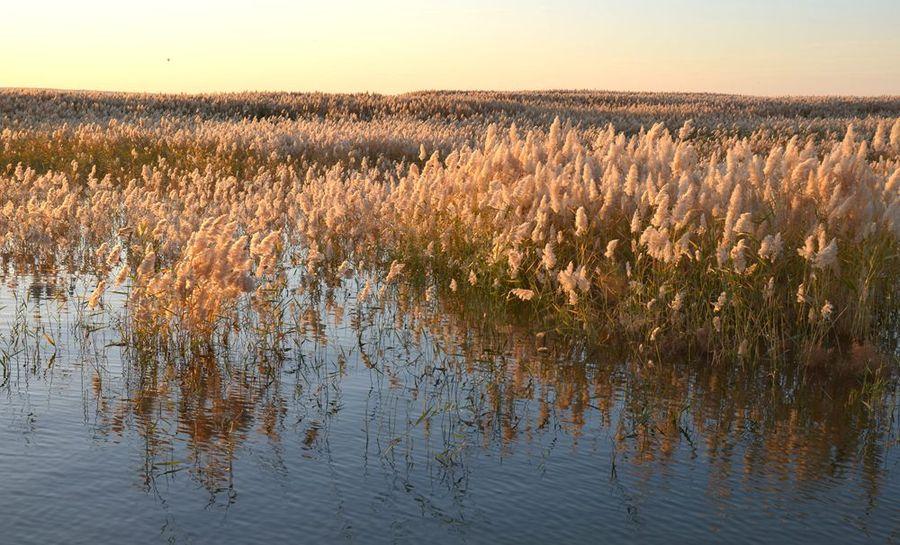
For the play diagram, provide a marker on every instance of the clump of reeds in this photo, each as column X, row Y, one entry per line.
column 740, row 252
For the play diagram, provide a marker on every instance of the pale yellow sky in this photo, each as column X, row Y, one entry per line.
column 761, row 47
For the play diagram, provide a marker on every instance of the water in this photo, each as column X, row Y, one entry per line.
column 416, row 423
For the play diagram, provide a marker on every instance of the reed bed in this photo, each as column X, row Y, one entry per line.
column 734, row 228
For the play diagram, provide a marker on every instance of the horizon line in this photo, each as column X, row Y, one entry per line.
column 450, row 90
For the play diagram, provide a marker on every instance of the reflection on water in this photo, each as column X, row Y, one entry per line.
column 411, row 423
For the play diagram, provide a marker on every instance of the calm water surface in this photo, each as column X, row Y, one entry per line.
column 405, row 425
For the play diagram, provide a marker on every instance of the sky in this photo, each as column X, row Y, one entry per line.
column 761, row 47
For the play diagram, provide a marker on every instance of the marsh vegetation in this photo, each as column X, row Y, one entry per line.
column 436, row 315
